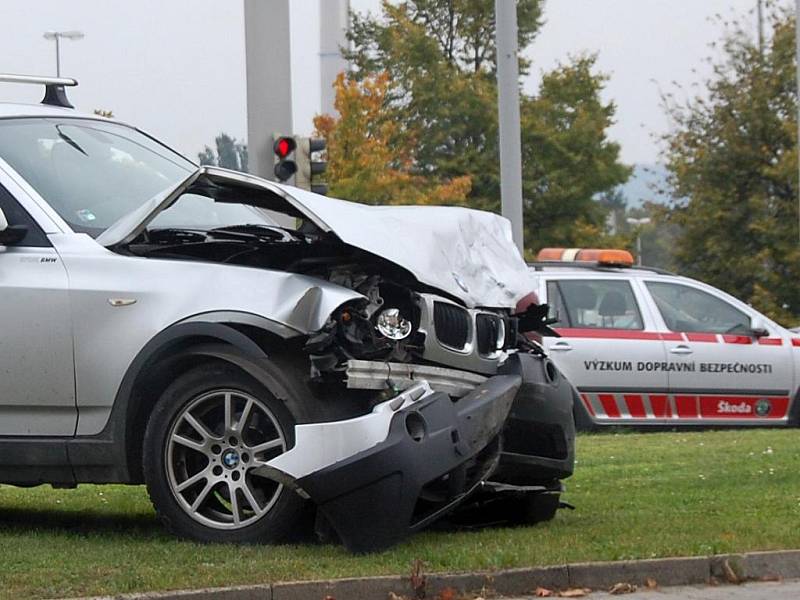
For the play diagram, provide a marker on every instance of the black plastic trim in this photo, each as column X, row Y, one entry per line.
column 369, row 498
column 33, row 461
column 16, row 214
column 56, row 95
column 542, row 403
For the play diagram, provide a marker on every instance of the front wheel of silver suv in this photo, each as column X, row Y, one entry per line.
column 208, row 434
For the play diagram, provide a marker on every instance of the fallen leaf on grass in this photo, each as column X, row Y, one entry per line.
column 650, row 583
column 543, row 592
column 574, row 593
column 447, row 593
column 622, row 588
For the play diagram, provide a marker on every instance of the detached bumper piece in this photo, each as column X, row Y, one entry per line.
column 539, row 438
column 430, row 454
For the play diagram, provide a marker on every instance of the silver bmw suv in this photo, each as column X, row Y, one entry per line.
column 257, row 354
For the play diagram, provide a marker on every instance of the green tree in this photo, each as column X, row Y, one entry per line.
column 439, row 56
column 365, row 161
column 227, row 153
column 733, row 161
column 567, row 159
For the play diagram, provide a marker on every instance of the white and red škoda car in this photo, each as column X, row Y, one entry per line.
column 647, row 347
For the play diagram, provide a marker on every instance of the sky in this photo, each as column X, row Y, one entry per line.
column 177, row 68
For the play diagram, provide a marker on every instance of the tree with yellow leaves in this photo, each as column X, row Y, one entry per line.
column 368, row 160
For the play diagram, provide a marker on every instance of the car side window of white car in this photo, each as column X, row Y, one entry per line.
column 555, row 302
column 594, row 303
column 688, row 309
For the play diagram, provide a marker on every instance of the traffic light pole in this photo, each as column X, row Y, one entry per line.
column 508, row 110
column 269, row 80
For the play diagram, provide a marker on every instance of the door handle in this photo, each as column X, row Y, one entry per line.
column 681, row 350
column 561, row 347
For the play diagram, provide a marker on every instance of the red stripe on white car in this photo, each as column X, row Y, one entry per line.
column 661, row 406
column 668, row 336
column 643, row 407
column 635, row 406
column 686, row 406
column 588, row 404
column 737, row 339
column 702, row 337
column 609, row 404
column 608, row 334
column 671, row 337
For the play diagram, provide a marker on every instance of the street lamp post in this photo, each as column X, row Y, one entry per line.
column 508, row 115
column 797, row 61
column 57, row 36
column 638, row 224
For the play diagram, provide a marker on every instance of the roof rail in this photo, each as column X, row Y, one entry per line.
column 54, row 92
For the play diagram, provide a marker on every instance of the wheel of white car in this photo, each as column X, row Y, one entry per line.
column 208, row 434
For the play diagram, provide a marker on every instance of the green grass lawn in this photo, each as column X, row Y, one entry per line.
column 637, row 496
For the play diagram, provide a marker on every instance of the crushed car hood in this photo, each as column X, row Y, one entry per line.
column 468, row 254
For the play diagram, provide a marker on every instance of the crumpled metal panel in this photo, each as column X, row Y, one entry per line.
column 467, row 253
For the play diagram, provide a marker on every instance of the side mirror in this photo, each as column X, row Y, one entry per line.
column 758, row 328
column 11, row 234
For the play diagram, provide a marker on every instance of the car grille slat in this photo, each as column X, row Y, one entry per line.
column 452, row 325
column 487, row 332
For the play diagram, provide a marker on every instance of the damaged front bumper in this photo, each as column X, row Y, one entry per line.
column 380, row 476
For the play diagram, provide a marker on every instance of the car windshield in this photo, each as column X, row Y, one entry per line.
column 92, row 173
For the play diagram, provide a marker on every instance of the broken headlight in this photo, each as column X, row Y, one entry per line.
column 391, row 324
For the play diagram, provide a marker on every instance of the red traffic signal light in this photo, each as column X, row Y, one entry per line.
column 284, row 146
column 284, row 167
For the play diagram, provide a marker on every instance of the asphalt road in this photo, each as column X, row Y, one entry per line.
column 784, row 590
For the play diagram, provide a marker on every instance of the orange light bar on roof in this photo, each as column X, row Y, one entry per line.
column 550, row 254
column 608, row 256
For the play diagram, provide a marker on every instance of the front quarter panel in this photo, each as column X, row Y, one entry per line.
column 118, row 303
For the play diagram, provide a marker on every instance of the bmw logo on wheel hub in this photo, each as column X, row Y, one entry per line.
column 230, row 459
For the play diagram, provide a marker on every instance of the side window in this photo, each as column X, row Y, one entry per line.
column 16, row 215
column 599, row 304
column 556, row 303
column 690, row 310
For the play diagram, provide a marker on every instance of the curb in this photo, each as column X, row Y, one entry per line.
column 784, row 564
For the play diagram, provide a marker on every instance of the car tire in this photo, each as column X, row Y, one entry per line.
column 530, row 509
column 208, row 431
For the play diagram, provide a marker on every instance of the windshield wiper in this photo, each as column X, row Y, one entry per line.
column 257, row 230
column 253, row 234
column 70, row 141
column 177, row 235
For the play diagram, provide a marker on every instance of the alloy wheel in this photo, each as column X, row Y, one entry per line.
column 213, row 448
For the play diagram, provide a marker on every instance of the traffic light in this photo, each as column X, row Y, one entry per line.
column 283, row 148
column 307, row 167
